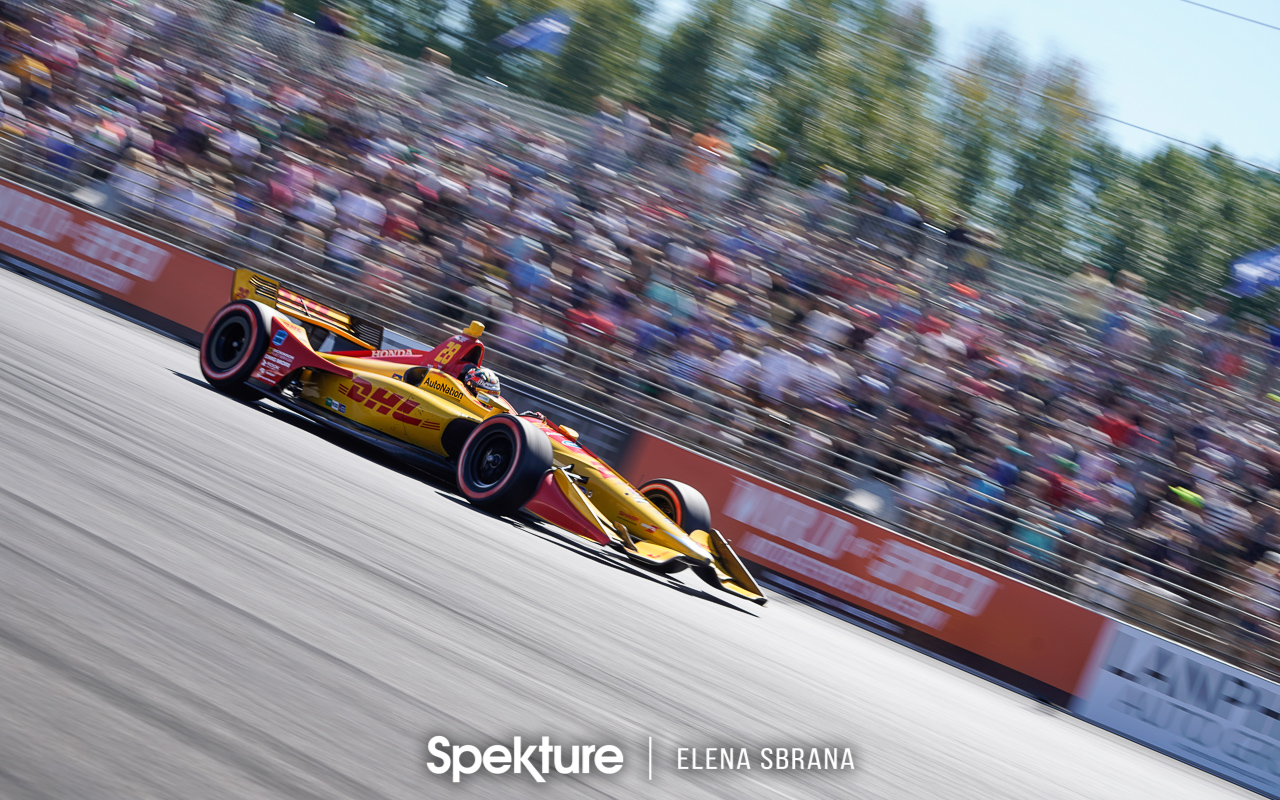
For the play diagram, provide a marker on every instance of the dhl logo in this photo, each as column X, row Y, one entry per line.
column 384, row 401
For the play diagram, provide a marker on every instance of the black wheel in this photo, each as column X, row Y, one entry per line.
column 232, row 346
column 502, row 463
column 680, row 502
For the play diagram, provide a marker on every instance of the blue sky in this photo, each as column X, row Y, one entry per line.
column 1163, row 64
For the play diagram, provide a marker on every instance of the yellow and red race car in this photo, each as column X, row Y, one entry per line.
column 426, row 405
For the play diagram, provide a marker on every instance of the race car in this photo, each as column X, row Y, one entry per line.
column 443, row 409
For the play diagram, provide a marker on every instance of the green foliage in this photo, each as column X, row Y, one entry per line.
column 690, row 81
column 304, row 8
column 827, row 96
column 602, row 55
column 478, row 58
column 405, row 27
column 486, row 21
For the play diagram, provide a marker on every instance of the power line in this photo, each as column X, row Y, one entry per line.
column 956, row 68
column 1231, row 14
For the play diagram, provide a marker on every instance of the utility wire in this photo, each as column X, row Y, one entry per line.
column 1232, row 14
column 956, row 68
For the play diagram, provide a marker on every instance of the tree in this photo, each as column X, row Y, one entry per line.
column 478, row 58
column 1044, row 216
column 690, row 81
column 847, row 85
column 520, row 70
column 404, row 26
column 982, row 118
column 1126, row 236
column 602, row 55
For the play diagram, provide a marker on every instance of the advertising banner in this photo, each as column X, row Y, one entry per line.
column 818, row 547
column 1193, row 707
column 118, row 262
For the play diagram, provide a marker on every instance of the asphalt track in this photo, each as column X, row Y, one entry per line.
column 201, row 598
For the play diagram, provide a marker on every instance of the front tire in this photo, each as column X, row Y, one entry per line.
column 502, row 463
column 680, row 502
column 231, row 348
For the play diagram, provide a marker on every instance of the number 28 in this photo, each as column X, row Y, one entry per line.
column 449, row 351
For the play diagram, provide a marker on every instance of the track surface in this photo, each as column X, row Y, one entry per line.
column 206, row 599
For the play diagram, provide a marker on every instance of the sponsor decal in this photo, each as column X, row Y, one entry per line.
column 275, row 365
column 385, row 401
column 912, row 570
column 442, row 386
column 77, row 244
column 390, row 353
column 1043, row 642
column 341, row 408
column 279, row 338
column 562, row 440
column 1194, row 707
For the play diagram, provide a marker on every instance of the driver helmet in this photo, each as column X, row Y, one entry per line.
column 482, row 381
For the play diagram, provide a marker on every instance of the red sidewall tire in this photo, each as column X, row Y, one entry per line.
column 241, row 325
column 518, row 448
column 689, row 509
column 518, row 443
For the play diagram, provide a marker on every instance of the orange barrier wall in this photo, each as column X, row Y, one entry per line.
column 981, row 612
column 118, row 262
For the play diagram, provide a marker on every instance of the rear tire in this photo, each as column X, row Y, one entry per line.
column 502, row 463
column 232, row 346
column 680, row 502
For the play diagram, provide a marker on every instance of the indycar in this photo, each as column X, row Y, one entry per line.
column 324, row 364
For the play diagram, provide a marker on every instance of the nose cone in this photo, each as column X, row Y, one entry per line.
column 694, row 550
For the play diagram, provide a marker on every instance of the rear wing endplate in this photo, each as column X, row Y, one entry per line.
column 250, row 285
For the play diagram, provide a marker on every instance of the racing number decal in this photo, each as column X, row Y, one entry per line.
column 384, row 401
column 450, row 350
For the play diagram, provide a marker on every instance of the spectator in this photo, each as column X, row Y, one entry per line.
column 1090, row 292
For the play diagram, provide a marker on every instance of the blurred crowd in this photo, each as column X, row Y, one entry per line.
column 835, row 337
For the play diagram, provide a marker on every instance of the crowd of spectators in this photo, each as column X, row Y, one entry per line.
column 1112, row 445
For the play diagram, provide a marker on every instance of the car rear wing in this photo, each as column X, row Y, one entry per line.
column 250, row 285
